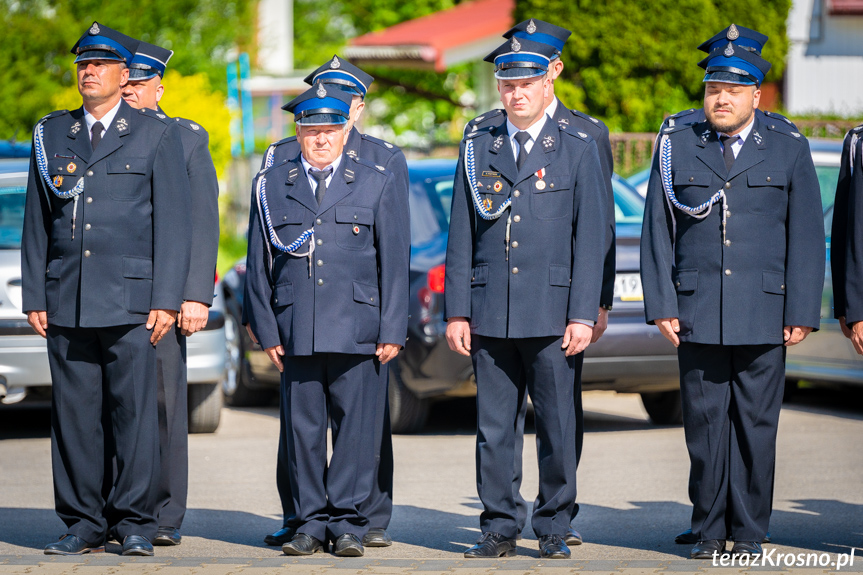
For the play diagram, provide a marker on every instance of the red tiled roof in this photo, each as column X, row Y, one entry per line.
column 441, row 31
column 846, row 7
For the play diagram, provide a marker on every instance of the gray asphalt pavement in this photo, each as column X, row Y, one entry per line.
column 632, row 491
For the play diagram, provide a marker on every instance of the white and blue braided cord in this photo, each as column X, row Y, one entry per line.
column 854, row 138
column 274, row 239
column 470, row 162
column 271, row 153
column 42, row 166
column 699, row 212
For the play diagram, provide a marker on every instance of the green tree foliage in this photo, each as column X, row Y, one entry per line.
column 37, row 35
column 631, row 63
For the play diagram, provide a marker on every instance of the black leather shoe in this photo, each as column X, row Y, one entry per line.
column 492, row 545
column 377, row 538
column 553, row 547
column 707, row 549
column 689, row 538
column 348, row 545
column 72, row 545
column 280, row 537
column 167, row 536
column 572, row 537
column 302, row 544
column 137, row 545
column 747, row 548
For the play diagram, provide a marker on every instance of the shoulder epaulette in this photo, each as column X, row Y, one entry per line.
column 574, row 132
column 284, row 141
column 681, row 118
column 191, row 126
column 382, row 143
column 774, row 115
column 786, row 129
column 858, row 129
column 586, row 117
column 489, row 119
column 683, row 113
column 479, row 132
column 376, row 167
column 54, row 114
column 155, row 115
column 668, row 128
column 491, row 114
column 271, row 168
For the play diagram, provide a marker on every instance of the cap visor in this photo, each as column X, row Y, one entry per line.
column 98, row 55
column 139, row 74
column 729, row 78
column 322, row 120
column 518, row 73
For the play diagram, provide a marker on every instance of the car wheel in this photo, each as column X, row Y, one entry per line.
column 235, row 386
column 408, row 413
column 663, row 407
column 205, row 407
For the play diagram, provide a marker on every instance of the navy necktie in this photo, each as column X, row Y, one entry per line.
column 522, row 138
column 96, row 134
column 321, row 177
column 727, row 152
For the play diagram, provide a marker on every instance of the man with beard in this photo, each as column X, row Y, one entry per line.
column 732, row 260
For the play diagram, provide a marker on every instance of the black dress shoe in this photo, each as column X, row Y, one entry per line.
column 572, row 537
column 747, row 548
column 553, row 547
column 72, row 545
column 280, row 537
column 707, row 549
column 348, row 545
column 492, row 545
column 302, row 544
column 377, row 538
column 167, row 536
column 137, row 545
column 689, row 538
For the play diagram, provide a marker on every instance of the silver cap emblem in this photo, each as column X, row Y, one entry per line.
column 729, row 50
column 335, row 64
column 531, row 27
column 515, row 45
column 322, row 92
column 94, row 29
column 733, row 33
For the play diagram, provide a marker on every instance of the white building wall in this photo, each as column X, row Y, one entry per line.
column 825, row 61
column 276, row 37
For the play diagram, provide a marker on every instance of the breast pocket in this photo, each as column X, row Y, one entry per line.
column 127, row 177
column 65, row 173
column 355, row 225
column 693, row 187
column 288, row 224
column 768, row 194
column 138, row 280
column 550, row 198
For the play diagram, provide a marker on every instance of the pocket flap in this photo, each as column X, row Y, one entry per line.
column 127, row 166
column 52, row 272
column 479, row 275
column 559, row 275
column 368, row 294
column 60, row 166
column 283, row 295
column 139, row 268
column 283, row 217
column 354, row 215
column 760, row 179
column 773, row 282
column 552, row 184
column 687, row 280
column 691, row 178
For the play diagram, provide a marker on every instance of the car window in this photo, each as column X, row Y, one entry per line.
column 628, row 205
column 11, row 216
column 430, row 201
column 828, row 177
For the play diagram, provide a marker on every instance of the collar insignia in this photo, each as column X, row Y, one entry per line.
column 352, row 153
column 547, row 142
column 757, row 137
column 122, row 125
column 563, row 121
column 498, row 142
column 76, row 127
column 705, row 135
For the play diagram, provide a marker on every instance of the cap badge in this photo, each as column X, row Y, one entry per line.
column 335, row 64
column 122, row 124
column 322, row 92
column 733, row 33
column 729, row 50
column 531, row 27
column 94, row 29
column 71, row 167
column 515, row 45
column 76, row 127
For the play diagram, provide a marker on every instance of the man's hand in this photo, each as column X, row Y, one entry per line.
column 193, row 317
column 387, row 351
column 576, row 338
column 38, row 320
column 794, row 334
column 669, row 327
column 857, row 336
column 846, row 331
column 275, row 354
column 251, row 335
column 458, row 335
column 160, row 321
column 600, row 326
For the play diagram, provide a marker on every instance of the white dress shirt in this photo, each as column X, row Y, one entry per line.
column 533, row 131
column 312, row 181
column 106, row 119
column 735, row 147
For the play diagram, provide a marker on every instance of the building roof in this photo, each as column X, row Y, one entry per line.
column 463, row 33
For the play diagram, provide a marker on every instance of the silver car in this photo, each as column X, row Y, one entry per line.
column 24, row 371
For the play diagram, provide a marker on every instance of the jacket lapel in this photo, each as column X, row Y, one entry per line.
column 501, row 158
column 538, row 157
column 79, row 141
column 298, row 185
column 340, row 186
column 119, row 129
column 710, row 152
column 751, row 153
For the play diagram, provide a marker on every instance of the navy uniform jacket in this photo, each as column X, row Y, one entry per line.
column 357, row 295
column 204, row 213
column 846, row 239
column 769, row 272
column 130, row 253
column 596, row 129
column 557, row 237
column 696, row 115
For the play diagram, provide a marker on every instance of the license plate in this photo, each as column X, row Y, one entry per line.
column 627, row 287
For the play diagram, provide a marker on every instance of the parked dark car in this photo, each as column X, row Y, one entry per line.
column 631, row 356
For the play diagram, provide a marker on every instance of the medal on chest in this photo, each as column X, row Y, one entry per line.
column 540, row 183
